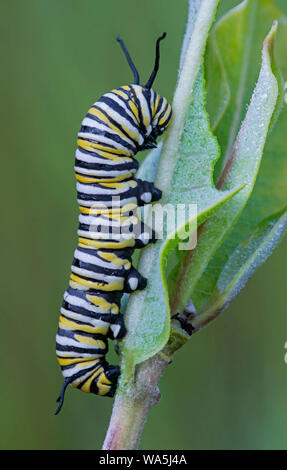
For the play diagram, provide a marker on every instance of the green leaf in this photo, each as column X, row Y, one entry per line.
column 270, row 193
column 243, row 262
column 148, row 324
column 185, row 176
column 242, row 168
column 232, row 61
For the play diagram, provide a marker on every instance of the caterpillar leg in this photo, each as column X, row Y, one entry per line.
column 117, row 328
column 147, row 192
column 134, row 281
column 146, row 236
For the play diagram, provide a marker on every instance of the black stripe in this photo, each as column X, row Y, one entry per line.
column 127, row 166
column 159, row 105
column 71, row 334
column 71, row 366
column 106, row 229
column 95, row 154
column 91, row 369
column 116, row 107
column 112, row 271
column 130, row 94
column 87, row 313
column 81, row 384
column 138, row 105
column 114, row 123
column 110, row 297
column 129, row 193
column 105, row 186
column 78, row 322
column 114, row 137
column 162, row 114
column 98, row 352
column 123, row 254
column 147, row 94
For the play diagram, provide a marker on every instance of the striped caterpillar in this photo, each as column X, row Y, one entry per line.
column 116, row 127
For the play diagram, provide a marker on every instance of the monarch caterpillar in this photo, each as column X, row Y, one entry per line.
column 116, row 127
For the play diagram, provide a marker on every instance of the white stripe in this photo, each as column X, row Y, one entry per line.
column 97, row 220
column 67, row 373
column 77, row 354
column 95, row 235
column 84, row 318
column 83, row 157
column 79, row 302
column 96, row 324
column 105, row 173
column 100, row 190
column 86, row 258
column 82, row 378
column 99, row 139
column 65, row 341
column 96, row 260
column 115, row 115
column 144, row 104
column 107, row 204
column 106, row 127
column 103, row 278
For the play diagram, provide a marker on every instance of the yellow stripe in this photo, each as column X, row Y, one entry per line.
column 114, row 259
column 87, row 385
column 117, row 285
column 156, row 105
column 99, row 114
column 109, row 151
column 126, row 185
column 86, row 243
column 80, row 362
column 104, row 153
column 91, row 179
column 103, row 304
column 121, row 93
column 132, row 104
column 134, row 110
column 130, row 207
column 103, row 385
column 146, row 117
column 97, row 343
column 65, row 323
column 165, row 116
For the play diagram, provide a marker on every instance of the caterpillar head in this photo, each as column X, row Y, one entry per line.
column 161, row 111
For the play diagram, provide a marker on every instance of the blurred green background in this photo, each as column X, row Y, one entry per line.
column 227, row 388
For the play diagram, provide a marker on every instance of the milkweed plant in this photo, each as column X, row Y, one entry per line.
column 238, row 188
